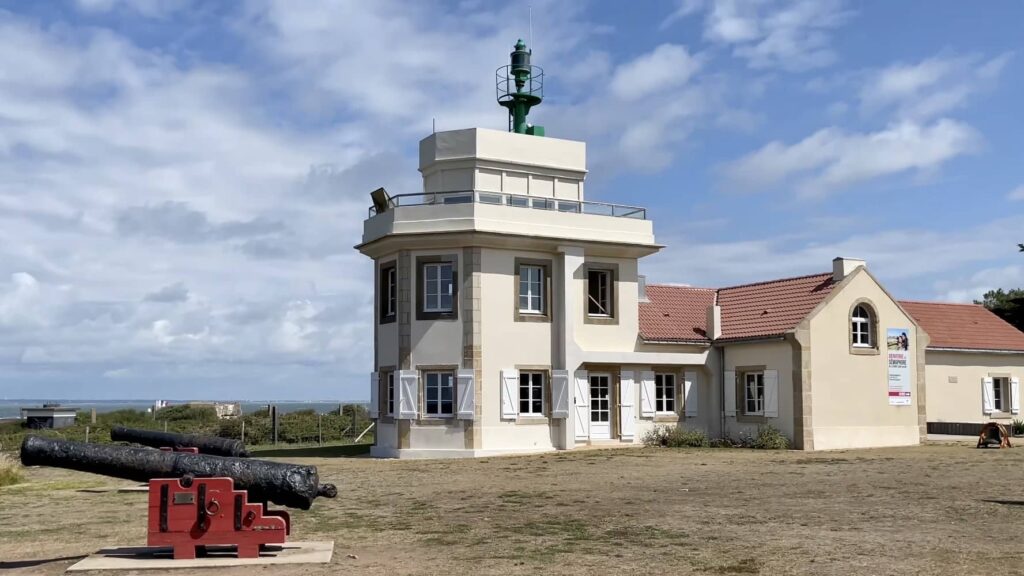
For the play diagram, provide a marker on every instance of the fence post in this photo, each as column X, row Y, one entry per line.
column 165, row 425
column 320, row 427
column 243, row 431
column 86, row 434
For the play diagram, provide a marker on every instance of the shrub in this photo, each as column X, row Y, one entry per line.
column 675, row 437
column 10, row 471
column 185, row 412
column 1018, row 427
column 769, row 438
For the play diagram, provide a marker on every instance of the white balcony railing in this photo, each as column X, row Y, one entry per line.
column 515, row 200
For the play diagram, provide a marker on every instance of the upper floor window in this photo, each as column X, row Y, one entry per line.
column 665, row 392
column 439, row 388
column 531, row 393
column 599, row 292
column 531, row 289
column 753, row 393
column 388, row 293
column 862, row 327
column 437, row 287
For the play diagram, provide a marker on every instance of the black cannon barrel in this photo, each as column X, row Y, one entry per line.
column 284, row 484
column 156, row 439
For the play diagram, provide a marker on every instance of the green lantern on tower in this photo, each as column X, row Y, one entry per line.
column 520, row 87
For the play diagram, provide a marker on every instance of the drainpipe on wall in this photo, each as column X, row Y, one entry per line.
column 721, row 392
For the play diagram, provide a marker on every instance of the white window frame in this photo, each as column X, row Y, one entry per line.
column 438, row 377
column 748, row 379
column 534, row 289
column 391, row 292
column 860, row 327
column 390, row 394
column 660, row 387
column 444, row 270
column 1000, row 393
column 607, row 304
column 530, row 389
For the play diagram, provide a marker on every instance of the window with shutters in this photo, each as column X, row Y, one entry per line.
column 531, row 393
column 665, row 392
column 1001, row 394
column 390, row 379
column 439, row 394
column 388, row 293
column 753, row 393
column 862, row 327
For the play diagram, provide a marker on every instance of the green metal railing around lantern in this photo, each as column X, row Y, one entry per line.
column 514, row 200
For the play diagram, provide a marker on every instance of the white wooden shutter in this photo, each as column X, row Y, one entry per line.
column 627, row 411
column 408, row 391
column 647, row 394
column 509, row 394
column 559, row 393
column 771, row 393
column 582, row 404
column 467, row 394
column 730, row 393
column 987, row 395
column 1015, row 395
column 691, row 394
column 374, row 395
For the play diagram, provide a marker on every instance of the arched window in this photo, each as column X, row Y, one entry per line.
column 862, row 327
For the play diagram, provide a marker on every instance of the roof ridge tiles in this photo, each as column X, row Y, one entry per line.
column 776, row 281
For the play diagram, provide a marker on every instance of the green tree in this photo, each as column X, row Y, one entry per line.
column 1007, row 304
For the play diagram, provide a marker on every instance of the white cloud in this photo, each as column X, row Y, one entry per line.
column 1016, row 194
column 832, row 159
column 667, row 66
column 147, row 8
column 931, row 87
column 911, row 262
column 791, row 35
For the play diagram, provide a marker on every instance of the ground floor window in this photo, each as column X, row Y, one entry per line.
column 531, row 393
column 665, row 392
column 439, row 393
column 391, row 393
column 753, row 393
column 1000, row 392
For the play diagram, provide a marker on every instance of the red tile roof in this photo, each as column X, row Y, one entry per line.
column 967, row 326
column 770, row 308
column 675, row 313
column 679, row 313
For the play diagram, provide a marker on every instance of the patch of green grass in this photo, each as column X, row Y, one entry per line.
column 568, row 529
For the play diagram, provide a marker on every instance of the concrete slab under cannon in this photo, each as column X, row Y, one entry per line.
column 145, row 557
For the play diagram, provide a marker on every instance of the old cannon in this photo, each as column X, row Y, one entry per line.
column 176, row 442
column 196, row 500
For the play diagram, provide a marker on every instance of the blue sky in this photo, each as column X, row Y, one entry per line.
column 181, row 182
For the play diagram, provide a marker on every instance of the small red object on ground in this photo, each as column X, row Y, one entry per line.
column 190, row 512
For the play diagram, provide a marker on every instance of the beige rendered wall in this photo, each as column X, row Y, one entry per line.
column 508, row 344
column 954, row 381
column 622, row 335
column 762, row 355
column 849, row 392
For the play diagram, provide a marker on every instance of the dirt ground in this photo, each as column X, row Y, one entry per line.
column 935, row 509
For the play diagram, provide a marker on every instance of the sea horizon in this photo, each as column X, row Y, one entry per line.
column 10, row 408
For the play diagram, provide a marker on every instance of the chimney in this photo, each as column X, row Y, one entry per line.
column 843, row 267
column 714, row 330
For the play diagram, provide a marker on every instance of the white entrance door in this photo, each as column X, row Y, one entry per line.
column 600, row 407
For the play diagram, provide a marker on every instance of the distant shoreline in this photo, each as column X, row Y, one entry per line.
column 10, row 409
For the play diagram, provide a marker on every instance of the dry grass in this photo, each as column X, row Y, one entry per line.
column 10, row 470
column 642, row 511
